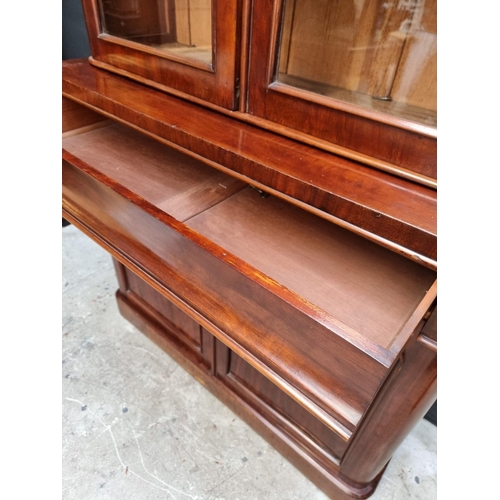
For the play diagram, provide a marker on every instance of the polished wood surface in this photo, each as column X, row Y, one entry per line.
column 177, row 184
column 325, row 445
column 215, row 83
column 362, row 461
column 202, row 273
column 147, row 318
column 392, row 211
column 326, row 66
column 282, row 416
column 190, row 329
column 365, row 287
column 76, row 117
column 287, row 437
column 401, row 403
column 287, row 425
column 181, row 328
column 375, row 290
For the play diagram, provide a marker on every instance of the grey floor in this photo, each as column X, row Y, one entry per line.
column 137, row 426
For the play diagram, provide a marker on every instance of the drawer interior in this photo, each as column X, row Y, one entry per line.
column 368, row 289
column 177, row 184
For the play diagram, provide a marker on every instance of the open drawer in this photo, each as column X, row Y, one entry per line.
column 321, row 312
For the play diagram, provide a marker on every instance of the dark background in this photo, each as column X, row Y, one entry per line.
column 75, row 42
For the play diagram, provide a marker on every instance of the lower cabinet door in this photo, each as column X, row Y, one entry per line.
column 281, row 411
column 174, row 323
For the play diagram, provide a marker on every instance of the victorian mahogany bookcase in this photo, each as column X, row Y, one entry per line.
column 263, row 173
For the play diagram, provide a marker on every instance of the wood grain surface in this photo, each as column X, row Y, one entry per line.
column 308, row 305
column 394, row 212
column 262, row 321
column 364, row 286
column 287, row 437
column 215, row 83
column 177, row 184
column 402, row 142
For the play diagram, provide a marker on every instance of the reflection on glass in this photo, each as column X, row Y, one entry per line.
column 379, row 54
column 182, row 27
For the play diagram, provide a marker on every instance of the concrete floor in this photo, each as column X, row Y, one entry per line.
column 137, row 426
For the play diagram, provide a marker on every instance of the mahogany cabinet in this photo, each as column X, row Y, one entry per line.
column 272, row 219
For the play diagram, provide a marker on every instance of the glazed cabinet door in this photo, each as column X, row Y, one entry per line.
column 358, row 75
column 186, row 47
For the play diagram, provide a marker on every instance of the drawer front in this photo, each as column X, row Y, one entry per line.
column 333, row 379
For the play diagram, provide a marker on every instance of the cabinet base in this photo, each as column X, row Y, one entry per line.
column 144, row 317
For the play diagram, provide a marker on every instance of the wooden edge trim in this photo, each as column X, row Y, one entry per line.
column 156, row 52
column 353, row 109
column 369, row 161
column 415, row 319
column 244, row 59
column 284, row 385
column 150, row 83
column 383, row 389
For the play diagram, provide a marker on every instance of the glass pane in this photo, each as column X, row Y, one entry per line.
column 379, row 54
column 181, row 27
